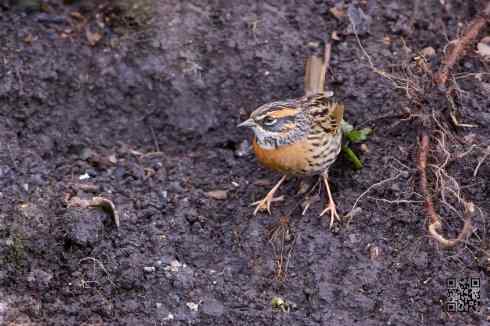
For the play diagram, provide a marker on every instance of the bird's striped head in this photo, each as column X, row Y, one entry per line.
column 277, row 123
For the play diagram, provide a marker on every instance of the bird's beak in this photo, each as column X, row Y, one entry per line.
column 247, row 123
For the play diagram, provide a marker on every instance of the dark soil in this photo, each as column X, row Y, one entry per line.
column 149, row 114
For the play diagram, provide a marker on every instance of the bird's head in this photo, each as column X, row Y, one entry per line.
column 277, row 123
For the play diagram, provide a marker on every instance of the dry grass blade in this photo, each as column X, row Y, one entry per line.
column 282, row 241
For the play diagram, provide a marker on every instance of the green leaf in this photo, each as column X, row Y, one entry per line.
column 351, row 156
column 358, row 135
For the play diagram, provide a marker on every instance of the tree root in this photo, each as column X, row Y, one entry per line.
column 461, row 44
column 440, row 79
column 435, row 224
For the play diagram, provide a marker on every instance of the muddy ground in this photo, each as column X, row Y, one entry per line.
column 146, row 116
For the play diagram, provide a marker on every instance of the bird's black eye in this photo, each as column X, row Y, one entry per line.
column 269, row 121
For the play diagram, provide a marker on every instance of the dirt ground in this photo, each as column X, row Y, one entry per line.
column 143, row 108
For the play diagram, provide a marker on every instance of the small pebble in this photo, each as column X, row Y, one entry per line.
column 84, row 176
column 212, row 307
column 373, row 252
column 428, row 51
column 243, row 149
column 169, row 317
column 365, row 148
column 192, row 306
column 149, row 269
column 175, row 265
column 218, row 194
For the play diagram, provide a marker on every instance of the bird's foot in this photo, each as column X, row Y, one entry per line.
column 332, row 208
column 265, row 203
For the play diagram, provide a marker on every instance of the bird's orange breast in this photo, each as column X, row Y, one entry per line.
column 288, row 159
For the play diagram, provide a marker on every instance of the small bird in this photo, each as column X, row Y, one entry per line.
column 299, row 137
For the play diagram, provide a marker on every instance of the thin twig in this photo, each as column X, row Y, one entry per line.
column 101, row 265
column 21, row 83
column 480, row 161
column 11, row 157
column 155, row 141
column 389, row 116
column 395, row 201
column 370, row 188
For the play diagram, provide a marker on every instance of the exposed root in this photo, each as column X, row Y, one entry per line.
column 371, row 187
column 440, row 78
column 481, row 160
column 417, row 81
column 394, row 201
column 435, row 228
column 461, row 44
column 435, row 222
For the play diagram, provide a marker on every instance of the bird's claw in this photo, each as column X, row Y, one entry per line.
column 265, row 203
column 333, row 213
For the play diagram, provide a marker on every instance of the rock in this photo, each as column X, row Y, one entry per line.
column 84, row 225
column 29, row 6
column 192, row 306
column 184, row 279
column 166, row 260
column 45, row 18
column 359, row 21
column 212, row 307
column 374, row 252
column 362, row 302
column 218, row 194
column 3, row 278
column 428, row 52
column 3, row 311
column 484, row 47
column 338, row 11
column 39, row 278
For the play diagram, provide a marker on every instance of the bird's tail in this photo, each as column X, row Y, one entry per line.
column 315, row 70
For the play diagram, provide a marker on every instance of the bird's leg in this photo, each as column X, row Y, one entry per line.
column 265, row 203
column 309, row 198
column 331, row 204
